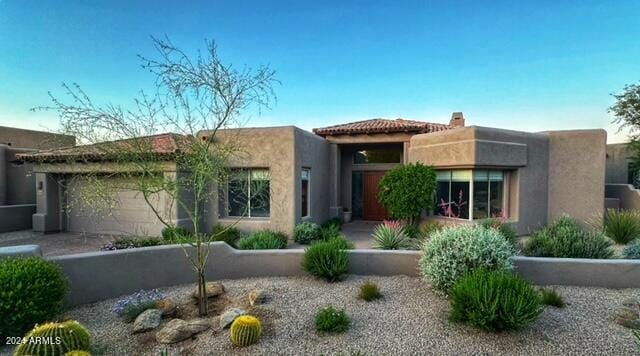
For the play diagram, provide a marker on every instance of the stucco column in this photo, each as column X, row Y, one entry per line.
column 335, row 174
column 47, row 216
column 405, row 152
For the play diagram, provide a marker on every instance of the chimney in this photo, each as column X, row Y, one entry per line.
column 457, row 119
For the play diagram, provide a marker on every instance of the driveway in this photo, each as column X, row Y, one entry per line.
column 63, row 243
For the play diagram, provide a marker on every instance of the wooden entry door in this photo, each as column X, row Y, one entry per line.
column 371, row 208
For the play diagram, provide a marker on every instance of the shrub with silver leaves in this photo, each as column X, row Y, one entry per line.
column 452, row 253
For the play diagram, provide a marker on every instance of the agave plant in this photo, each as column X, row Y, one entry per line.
column 389, row 237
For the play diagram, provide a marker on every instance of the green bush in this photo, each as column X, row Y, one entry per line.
column 495, row 301
column 387, row 237
column 135, row 242
column 430, row 227
column 228, row 234
column 32, row 291
column 334, row 222
column 307, row 232
column 632, row 251
column 452, row 253
column 330, row 320
column 622, row 226
column 503, row 227
column 263, row 240
column 565, row 238
column 327, row 259
column 412, row 231
column 406, row 191
column 369, row 291
column 331, row 231
column 173, row 233
column 551, row 297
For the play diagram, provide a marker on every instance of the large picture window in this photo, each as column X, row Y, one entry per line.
column 248, row 194
column 470, row 194
column 306, row 176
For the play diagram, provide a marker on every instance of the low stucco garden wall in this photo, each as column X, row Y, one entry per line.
column 16, row 217
column 101, row 275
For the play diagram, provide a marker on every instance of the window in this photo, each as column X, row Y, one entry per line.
column 248, row 193
column 454, row 189
column 379, row 155
column 306, row 175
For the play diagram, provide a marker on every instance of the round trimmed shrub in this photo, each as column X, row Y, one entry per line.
column 307, row 232
column 406, row 191
column 495, row 301
column 264, row 240
column 327, row 259
column 565, row 238
column 503, row 227
column 72, row 335
column 330, row 320
column 32, row 291
column 451, row 253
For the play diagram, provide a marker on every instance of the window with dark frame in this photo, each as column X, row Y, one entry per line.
column 248, row 193
column 470, row 194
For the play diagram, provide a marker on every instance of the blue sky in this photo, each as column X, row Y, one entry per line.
column 522, row 65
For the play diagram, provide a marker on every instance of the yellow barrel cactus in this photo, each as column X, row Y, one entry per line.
column 245, row 330
column 55, row 339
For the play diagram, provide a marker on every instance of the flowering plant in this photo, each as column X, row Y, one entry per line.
column 133, row 305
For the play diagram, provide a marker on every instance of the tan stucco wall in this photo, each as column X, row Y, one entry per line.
column 577, row 174
column 272, row 148
column 21, row 138
column 312, row 152
column 617, row 163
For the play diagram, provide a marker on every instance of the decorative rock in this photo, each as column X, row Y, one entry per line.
column 177, row 330
column 214, row 289
column 256, row 296
column 627, row 317
column 147, row 320
column 229, row 316
column 166, row 306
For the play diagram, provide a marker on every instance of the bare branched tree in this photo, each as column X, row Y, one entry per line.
column 192, row 94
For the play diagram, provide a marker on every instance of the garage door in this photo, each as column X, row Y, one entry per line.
column 128, row 214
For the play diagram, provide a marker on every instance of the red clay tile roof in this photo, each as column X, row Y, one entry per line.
column 381, row 126
column 162, row 146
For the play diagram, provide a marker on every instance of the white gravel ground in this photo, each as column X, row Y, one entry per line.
column 409, row 320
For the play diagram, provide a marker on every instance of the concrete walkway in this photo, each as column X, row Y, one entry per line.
column 359, row 232
column 64, row 243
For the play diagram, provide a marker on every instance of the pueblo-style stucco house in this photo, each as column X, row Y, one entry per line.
column 528, row 178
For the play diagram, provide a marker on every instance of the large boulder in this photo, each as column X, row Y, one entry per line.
column 214, row 289
column 230, row 315
column 256, row 296
column 177, row 330
column 147, row 320
column 166, row 306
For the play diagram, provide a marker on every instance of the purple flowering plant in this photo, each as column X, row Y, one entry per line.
column 133, row 305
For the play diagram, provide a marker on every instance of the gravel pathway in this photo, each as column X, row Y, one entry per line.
column 409, row 320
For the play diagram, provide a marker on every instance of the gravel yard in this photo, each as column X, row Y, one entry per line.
column 409, row 320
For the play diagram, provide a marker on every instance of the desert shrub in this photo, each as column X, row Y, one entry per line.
column 494, row 301
column 341, row 242
column 565, row 238
column 412, row 231
column 32, row 291
column 330, row 320
column 306, row 233
column 369, row 291
column 172, row 233
column 327, row 259
column 387, row 237
column 71, row 336
column 451, row 253
column 551, row 297
column 332, row 223
column 632, row 251
column 129, row 307
column 264, row 240
column 407, row 190
column 122, row 243
column 429, row 228
column 503, row 227
column 331, row 231
column 622, row 226
column 228, row 234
